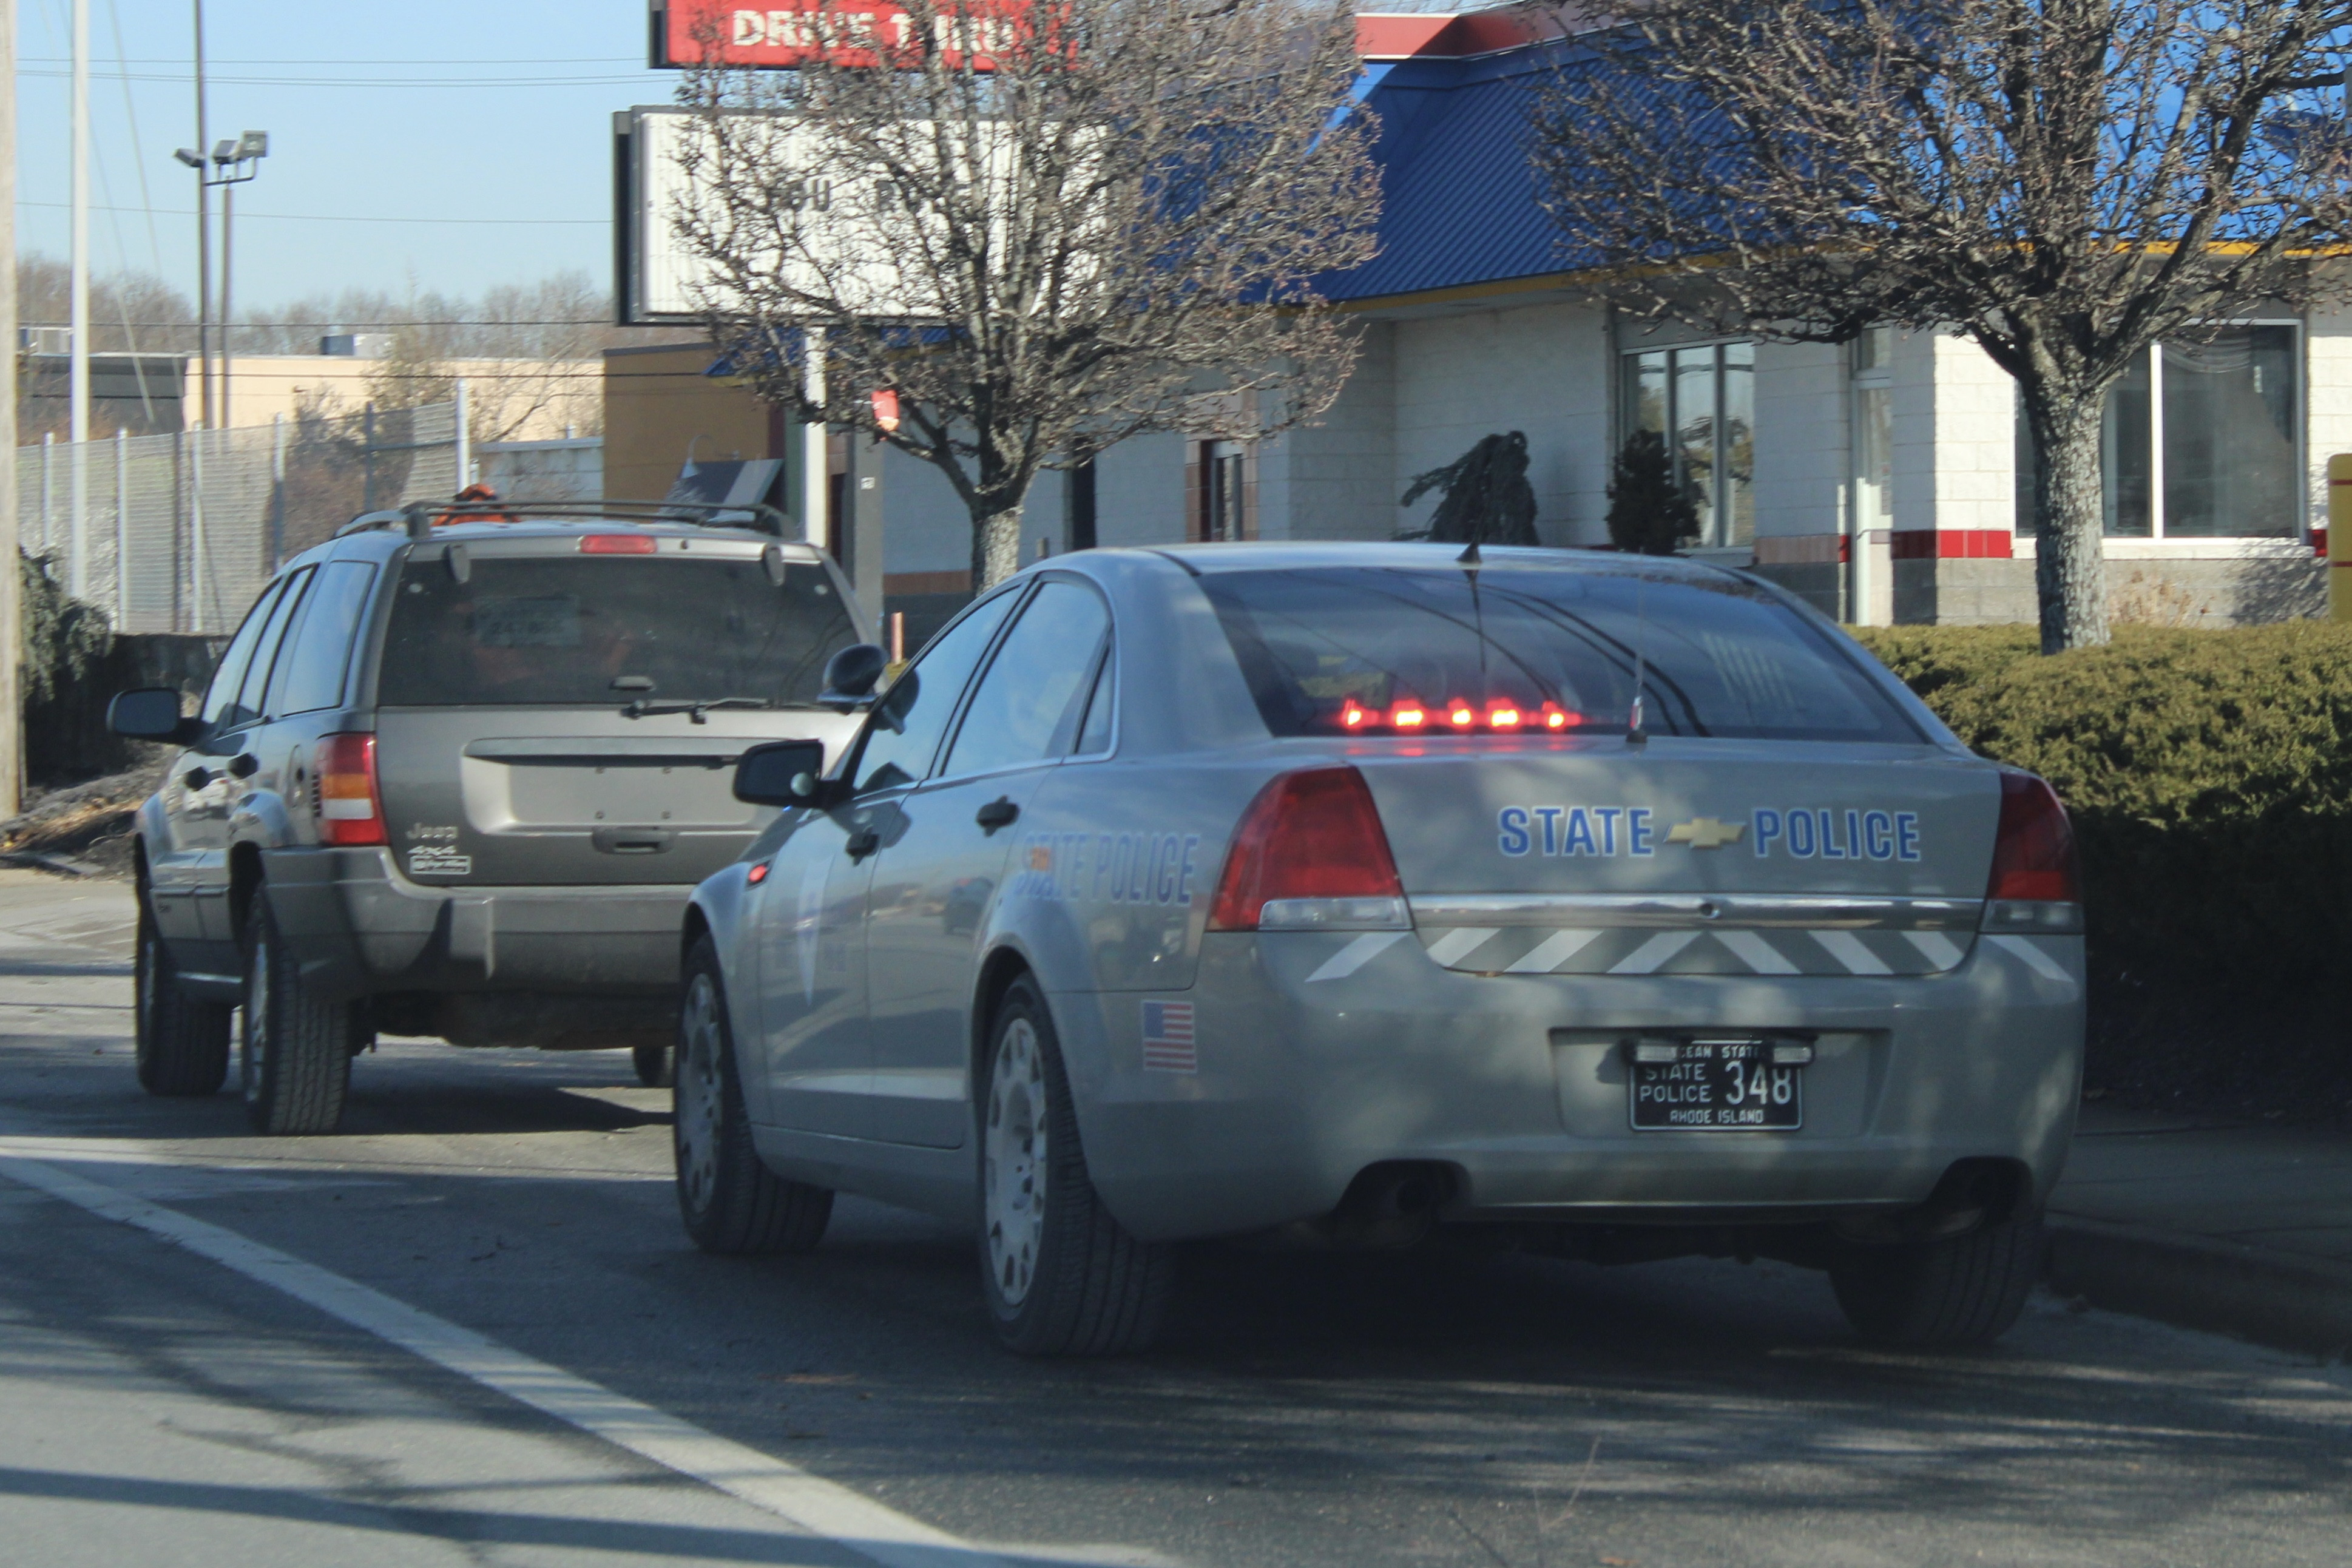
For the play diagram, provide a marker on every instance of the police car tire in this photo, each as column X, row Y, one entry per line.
column 747, row 1208
column 180, row 1041
column 294, row 1048
column 655, row 1065
column 1967, row 1290
column 1096, row 1290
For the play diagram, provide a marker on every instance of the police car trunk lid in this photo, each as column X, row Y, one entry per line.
column 1684, row 856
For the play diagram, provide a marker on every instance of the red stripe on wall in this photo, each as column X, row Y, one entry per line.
column 1952, row 544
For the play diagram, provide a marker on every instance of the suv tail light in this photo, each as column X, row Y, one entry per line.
column 348, row 807
column 2036, row 884
column 1310, row 855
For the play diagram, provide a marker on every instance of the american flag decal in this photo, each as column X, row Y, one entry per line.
column 1168, row 1044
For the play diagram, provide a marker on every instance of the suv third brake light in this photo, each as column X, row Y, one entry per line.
column 348, row 807
column 1310, row 855
column 2036, row 884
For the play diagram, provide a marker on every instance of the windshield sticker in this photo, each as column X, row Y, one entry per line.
column 1804, row 833
column 1564, row 831
column 553, row 621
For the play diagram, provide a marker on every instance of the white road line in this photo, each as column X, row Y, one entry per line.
column 2041, row 962
column 1552, row 952
column 1357, row 954
column 1458, row 943
column 1647, row 958
column 821, row 1509
column 1847, row 949
column 1756, row 953
column 1937, row 948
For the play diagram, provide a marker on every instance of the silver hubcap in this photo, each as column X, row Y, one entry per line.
column 253, row 1039
column 1015, row 1156
column 697, row 1091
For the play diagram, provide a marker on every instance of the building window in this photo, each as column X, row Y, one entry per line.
column 1223, row 512
column 1702, row 399
column 1874, row 429
column 2200, row 439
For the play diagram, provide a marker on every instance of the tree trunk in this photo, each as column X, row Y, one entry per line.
column 2070, row 576
column 995, row 547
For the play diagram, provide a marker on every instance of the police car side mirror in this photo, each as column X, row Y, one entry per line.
column 153, row 713
column 783, row 773
column 851, row 675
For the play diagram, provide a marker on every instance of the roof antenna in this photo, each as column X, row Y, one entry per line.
column 1635, row 735
column 1469, row 556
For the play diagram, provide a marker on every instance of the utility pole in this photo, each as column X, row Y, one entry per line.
column 195, row 159
column 78, row 349
column 12, row 717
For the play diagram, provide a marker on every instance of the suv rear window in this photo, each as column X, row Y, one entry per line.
column 1398, row 651
column 567, row 629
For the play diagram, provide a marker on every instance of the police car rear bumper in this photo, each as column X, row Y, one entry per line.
column 356, row 927
column 1518, row 1085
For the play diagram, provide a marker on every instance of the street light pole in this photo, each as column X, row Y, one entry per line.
column 204, row 232
column 77, row 346
column 233, row 162
column 12, row 717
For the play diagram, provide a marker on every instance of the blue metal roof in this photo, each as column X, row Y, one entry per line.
column 1459, row 198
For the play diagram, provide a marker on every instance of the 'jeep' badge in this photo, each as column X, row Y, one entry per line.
column 1706, row 832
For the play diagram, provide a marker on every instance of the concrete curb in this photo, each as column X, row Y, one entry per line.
column 2273, row 1298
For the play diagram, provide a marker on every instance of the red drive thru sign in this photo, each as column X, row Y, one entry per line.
column 688, row 33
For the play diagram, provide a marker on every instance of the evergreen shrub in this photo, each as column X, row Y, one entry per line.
column 2209, row 774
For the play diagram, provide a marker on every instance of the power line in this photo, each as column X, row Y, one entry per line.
column 182, row 60
column 354, row 218
column 444, row 80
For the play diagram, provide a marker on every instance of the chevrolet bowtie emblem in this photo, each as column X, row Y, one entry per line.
column 1706, row 832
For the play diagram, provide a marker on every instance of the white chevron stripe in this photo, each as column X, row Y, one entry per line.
column 1756, row 953
column 2041, row 962
column 1647, row 958
column 1847, row 949
column 1937, row 948
column 1459, row 944
column 1357, row 954
column 1552, row 951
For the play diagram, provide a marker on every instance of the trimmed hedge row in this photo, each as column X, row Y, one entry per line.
column 2210, row 778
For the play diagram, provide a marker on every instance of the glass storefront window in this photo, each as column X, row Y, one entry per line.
column 1703, row 401
column 2209, row 424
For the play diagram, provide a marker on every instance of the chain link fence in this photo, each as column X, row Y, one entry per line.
column 179, row 533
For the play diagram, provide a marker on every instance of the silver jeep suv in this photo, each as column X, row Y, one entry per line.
column 455, row 776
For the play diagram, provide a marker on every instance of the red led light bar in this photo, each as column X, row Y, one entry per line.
column 617, row 544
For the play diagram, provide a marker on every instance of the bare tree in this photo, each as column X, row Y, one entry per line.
column 1043, row 228
column 2064, row 182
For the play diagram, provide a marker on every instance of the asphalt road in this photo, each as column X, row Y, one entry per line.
column 158, row 1406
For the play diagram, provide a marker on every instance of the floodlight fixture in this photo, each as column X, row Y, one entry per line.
column 253, row 145
column 224, row 150
column 190, row 157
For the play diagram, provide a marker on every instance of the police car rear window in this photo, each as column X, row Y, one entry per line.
column 613, row 629
column 1382, row 651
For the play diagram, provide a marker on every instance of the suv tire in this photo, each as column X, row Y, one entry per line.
column 1062, row 1276
column 294, row 1051
column 182, row 1040
column 1967, row 1290
column 730, row 1202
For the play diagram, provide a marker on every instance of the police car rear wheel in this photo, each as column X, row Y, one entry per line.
column 1967, row 1290
column 1062, row 1276
column 729, row 1201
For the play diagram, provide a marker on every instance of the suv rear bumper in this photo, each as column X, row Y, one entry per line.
column 357, row 928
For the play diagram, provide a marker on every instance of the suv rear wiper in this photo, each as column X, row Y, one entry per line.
column 697, row 711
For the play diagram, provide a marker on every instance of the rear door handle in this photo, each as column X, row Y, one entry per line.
column 862, row 843
column 998, row 812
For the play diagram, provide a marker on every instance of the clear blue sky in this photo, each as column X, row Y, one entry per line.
column 414, row 110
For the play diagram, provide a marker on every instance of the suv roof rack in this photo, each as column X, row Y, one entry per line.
column 420, row 518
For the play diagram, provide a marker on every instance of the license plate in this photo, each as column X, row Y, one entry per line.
column 1713, row 1086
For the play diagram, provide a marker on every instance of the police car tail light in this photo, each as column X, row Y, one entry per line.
column 1310, row 855
column 2036, row 884
column 347, row 806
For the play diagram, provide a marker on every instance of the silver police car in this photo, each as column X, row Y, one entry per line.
column 1337, row 895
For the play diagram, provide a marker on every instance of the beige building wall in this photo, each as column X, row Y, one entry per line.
column 509, row 400
column 659, row 407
